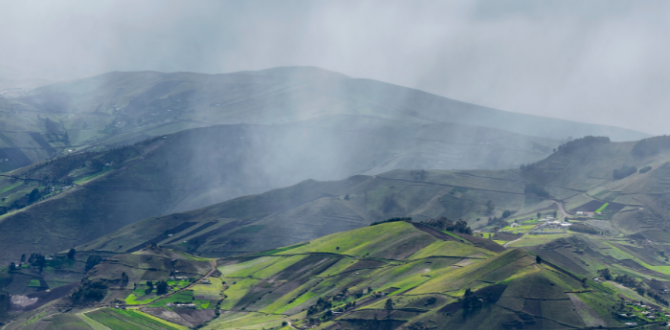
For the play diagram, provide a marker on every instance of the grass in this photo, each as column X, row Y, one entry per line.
column 95, row 325
column 275, row 251
column 248, row 230
column 118, row 319
column 186, row 297
column 236, row 291
column 132, row 298
column 209, row 292
column 69, row 322
column 34, row 283
column 366, row 241
column 248, row 321
column 602, row 208
column 532, row 240
column 235, row 268
column 450, row 248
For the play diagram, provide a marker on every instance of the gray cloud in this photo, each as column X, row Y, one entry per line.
column 594, row 61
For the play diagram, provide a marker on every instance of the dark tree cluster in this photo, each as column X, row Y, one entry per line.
column 418, row 175
column 489, row 207
column 443, row 223
column 582, row 228
column 507, row 213
column 391, row 220
column 37, row 260
column 645, row 169
column 658, row 297
column 605, row 273
column 92, row 261
column 623, row 172
column 651, row 146
column 161, row 287
column 89, row 291
column 498, row 222
column 536, row 190
column 321, row 305
column 571, row 146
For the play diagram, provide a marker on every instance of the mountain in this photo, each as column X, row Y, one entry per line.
column 83, row 196
column 125, row 107
column 391, row 275
column 579, row 177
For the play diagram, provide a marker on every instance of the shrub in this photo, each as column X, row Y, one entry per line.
column 573, row 145
column 534, row 189
column 390, row 220
column 89, row 291
column 92, row 261
column 651, row 146
column 161, row 287
column 578, row 227
column 623, row 172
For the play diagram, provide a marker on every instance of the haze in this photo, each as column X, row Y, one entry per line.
column 601, row 62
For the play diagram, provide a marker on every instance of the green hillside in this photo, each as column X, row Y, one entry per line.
column 311, row 209
column 82, row 196
column 391, row 275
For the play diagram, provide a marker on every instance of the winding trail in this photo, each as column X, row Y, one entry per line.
column 564, row 214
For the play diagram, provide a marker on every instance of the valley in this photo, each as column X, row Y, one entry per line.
column 323, row 211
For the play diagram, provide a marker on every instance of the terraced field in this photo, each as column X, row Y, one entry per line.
column 395, row 274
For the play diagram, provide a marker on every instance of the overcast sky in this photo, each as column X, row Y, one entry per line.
column 602, row 62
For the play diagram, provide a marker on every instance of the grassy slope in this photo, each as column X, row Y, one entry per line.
column 312, row 209
column 424, row 276
column 120, row 107
column 286, row 216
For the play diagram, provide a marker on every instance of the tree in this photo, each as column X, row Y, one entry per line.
column 12, row 267
column 23, row 258
column 150, row 287
column 506, row 214
column 605, row 273
column 470, row 300
column 161, row 287
column 34, row 196
column 92, row 261
column 37, row 260
column 538, row 259
column 124, row 278
column 71, row 253
column 388, row 306
column 489, row 207
column 539, row 215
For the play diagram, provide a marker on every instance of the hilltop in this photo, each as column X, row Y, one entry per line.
column 391, row 275
column 121, row 108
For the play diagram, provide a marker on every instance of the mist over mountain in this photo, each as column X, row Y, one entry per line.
column 124, row 107
column 233, row 164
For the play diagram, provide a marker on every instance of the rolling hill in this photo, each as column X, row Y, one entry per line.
column 125, row 107
column 83, row 196
column 585, row 183
column 392, row 275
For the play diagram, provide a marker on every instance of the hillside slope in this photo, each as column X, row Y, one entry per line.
column 203, row 166
column 125, row 107
column 311, row 209
column 392, row 275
